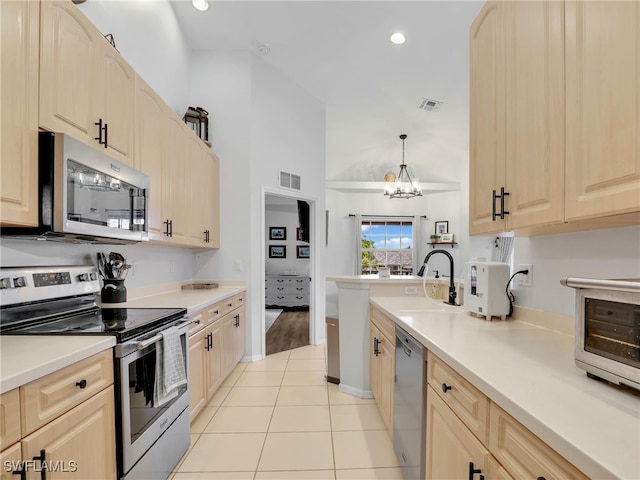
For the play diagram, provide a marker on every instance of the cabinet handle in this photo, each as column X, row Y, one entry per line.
column 503, row 212
column 167, row 222
column 82, row 383
column 209, row 342
column 100, row 130
column 237, row 323
column 22, row 472
column 43, row 464
column 445, row 387
column 494, row 215
column 106, row 133
column 541, row 478
column 376, row 349
column 473, row 471
column 171, row 228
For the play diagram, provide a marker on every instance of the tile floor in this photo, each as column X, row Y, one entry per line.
column 278, row 419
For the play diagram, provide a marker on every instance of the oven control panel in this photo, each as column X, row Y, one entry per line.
column 28, row 284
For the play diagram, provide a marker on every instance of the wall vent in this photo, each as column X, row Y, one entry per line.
column 289, row 180
column 429, row 105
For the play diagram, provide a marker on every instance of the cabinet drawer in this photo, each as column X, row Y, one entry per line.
column 213, row 313
column 9, row 418
column 384, row 323
column 469, row 403
column 523, row 454
column 239, row 300
column 49, row 397
column 198, row 319
column 227, row 305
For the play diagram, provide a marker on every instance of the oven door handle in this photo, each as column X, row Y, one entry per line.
column 150, row 341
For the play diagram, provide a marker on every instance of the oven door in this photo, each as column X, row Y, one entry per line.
column 141, row 423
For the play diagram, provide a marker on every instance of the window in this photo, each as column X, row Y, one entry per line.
column 387, row 242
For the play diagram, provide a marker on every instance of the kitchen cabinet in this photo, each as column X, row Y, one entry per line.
column 517, row 116
column 234, row 332
column 464, row 427
column 86, row 87
column 382, row 364
column 452, row 450
column 61, row 418
column 149, row 129
column 204, row 195
column 286, row 291
column 603, row 109
column 175, row 195
column 11, row 457
column 554, row 116
column 19, row 23
column 205, row 357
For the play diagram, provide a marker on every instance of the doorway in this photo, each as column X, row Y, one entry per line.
column 287, row 270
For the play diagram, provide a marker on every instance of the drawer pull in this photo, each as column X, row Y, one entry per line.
column 82, row 383
column 445, row 387
column 43, row 464
column 541, row 478
column 473, row 471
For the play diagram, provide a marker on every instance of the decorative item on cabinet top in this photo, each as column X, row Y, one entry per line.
column 197, row 120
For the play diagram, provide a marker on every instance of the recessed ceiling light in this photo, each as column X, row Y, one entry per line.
column 201, row 5
column 397, row 38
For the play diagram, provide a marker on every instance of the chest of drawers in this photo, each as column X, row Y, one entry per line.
column 286, row 291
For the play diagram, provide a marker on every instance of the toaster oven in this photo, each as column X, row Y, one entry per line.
column 607, row 333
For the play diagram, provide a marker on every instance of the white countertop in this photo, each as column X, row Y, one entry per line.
column 395, row 279
column 27, row 358
column 530, row 372
column 192, row 300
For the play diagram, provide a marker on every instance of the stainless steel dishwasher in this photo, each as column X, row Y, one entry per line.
column 409, row 428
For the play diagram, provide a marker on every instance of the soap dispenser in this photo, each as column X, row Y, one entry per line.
column 435, row 287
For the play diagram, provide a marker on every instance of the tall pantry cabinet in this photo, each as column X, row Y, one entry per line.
column 555, row 116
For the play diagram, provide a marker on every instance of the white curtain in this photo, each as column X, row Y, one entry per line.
column 417, row 241
column 357, row 231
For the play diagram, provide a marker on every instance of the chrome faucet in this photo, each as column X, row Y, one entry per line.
column 452, row 288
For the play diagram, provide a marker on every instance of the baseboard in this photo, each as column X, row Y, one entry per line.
column 356, row 392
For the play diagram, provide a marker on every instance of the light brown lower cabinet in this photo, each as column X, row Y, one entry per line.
column 469, row 436
column 382, row 364
column 216, row 345
column 76, row 442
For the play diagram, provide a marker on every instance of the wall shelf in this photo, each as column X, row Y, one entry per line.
column 433, row 244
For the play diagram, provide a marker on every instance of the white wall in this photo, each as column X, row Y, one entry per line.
column 149, row 38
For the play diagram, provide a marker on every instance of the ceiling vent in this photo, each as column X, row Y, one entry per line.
column 289, row 180
column 429, row 105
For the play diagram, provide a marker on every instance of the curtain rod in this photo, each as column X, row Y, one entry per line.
column 388, row 216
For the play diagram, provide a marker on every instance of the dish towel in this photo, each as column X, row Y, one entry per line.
column 170, row 368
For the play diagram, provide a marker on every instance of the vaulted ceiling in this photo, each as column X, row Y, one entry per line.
column 339, row 51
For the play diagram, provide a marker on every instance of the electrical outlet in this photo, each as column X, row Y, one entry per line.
column 525, row 280
column 410, row 290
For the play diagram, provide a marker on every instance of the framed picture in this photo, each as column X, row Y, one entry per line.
column 277, row 233
column 302, row 251
column 299, row 234
column 277, row 251
column 446, row 238
column 442, row 227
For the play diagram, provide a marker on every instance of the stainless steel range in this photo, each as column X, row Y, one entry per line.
column 152, row 433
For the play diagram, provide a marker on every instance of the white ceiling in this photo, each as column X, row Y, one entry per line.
column 339, row 51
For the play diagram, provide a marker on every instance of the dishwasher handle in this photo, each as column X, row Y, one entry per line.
column 407, row 351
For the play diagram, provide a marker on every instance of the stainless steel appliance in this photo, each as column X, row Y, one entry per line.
column 151, row 438
column 409, row 407
column 85, row 196
column 607, row 333
column 486, row 293
column 333, row 349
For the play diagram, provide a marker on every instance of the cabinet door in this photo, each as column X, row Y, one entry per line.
column 114, row 94
column 196, row 182
column 240, row 334
column 174, row 198
column 603, row 108
column 487, row 117
column 19, row 23
column 67, row 71
column 451, row 447
column 150, row 123
column 535, row 85
column 211, row 207
column 85, row 435
column 228, row 342
column 197, row 359
column 10, row 462
column 374, row 365
column 214, row 358
column 386, row 379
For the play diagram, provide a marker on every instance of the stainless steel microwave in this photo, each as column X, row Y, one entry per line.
column 607, row 333
column 85, row 196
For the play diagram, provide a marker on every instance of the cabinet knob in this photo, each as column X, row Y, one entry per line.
column 82, row 383
column 445, row 387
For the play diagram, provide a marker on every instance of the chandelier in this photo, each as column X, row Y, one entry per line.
column 401, row 186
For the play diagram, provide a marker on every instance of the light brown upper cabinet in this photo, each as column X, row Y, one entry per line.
column 205, row 223
column 19, row 23
column 534, row 168
column 517, row 116
column 86, row 87
column 603, row 109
